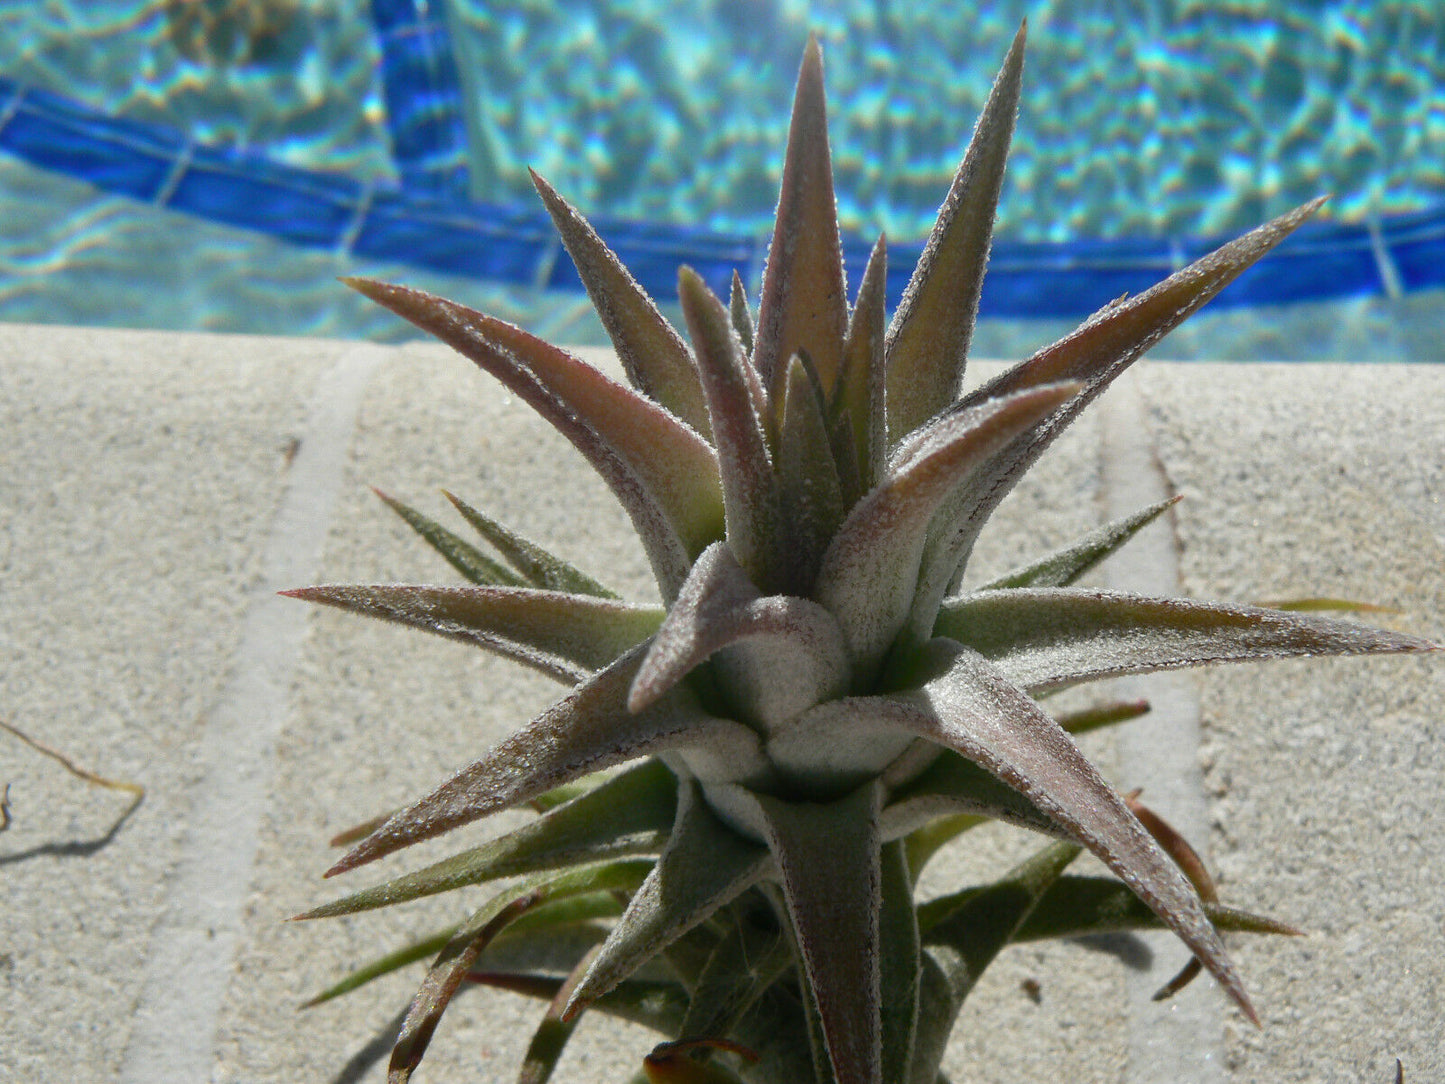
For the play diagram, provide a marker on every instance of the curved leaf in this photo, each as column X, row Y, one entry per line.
column 653, row 354
column 461, row 952
column 781, row 654
column 974, row 710
column 565, row 636
column 870, row 569
column 663, row 472
column 704, row 866
column 587, row 731
column 953, row 784
column 928, row 340
column 1043, row 638
column 548, row 1042
column 628, row 814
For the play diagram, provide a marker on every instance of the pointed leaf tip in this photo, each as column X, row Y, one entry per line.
column 660, row 468
column 586, row 731
column 975, row 710
column 804, row 304
column 654, row 356
column 871, row 566
column 932, row 329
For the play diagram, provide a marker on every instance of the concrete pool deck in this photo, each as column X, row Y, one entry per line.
column 159, row 488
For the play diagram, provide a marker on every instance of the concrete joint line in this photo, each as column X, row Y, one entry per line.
column 193, row 945
column 1179, row 1040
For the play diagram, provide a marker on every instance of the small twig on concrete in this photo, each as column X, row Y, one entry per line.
column 73, row 768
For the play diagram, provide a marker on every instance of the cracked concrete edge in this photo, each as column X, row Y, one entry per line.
column 1180, row 1040
column 93, row 1005
column 192, row 949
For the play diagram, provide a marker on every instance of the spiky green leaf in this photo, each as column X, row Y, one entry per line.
column 829, row 859
column 976, row 711
column 566, row 636
column 459, row 553
column 584, row 732
column 630, row 814
column 1103, row 347
column 750, row 957
column 929, row 338
column 898, row 962
column 810, row 490
column 804, row 302
column 704, row 866
column 965, row 940
column 1102, row 715
column 780, row 655
column 656, row 1004
column 538, row 566
column 664, row 473
column 420, row 949
column 1048, row 637
column 857, row 404
column 651, row 351
column 739, row 428
column 1063, row 567
column 1079, row 906
column 741, row 314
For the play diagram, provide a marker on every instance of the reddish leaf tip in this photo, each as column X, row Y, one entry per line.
column 369, row 287
column 345, row 865
column 1247, row 1007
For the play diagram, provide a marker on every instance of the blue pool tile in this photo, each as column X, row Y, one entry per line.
column 1066, row 280
column 425, row 116
column 305, row 207
column 459, row 239
column 1416, row 244
column 120, row 155
column 416, row 225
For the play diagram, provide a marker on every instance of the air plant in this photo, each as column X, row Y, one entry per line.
column 740, row 786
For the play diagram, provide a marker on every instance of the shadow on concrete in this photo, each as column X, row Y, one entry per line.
column 76, row 848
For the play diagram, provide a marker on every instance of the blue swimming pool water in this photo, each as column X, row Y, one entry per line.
column 1159, row 120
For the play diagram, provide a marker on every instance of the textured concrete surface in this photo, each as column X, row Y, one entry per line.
column 158, row 488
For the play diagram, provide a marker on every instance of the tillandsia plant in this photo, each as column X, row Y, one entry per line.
column 741, row 785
